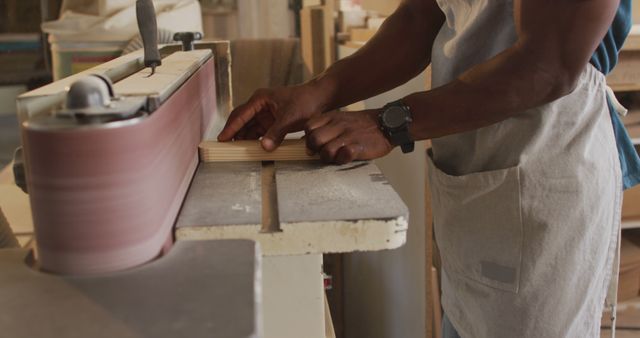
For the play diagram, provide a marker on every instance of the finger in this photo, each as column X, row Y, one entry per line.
column 317, row 122
column 317, row 138
column 264, row 119
column 275, row 134
column 330, row 150
column 239, row 117
column 349, row 153
column 307, row 150
column 260, row 129
column 241, row 134
column 253, row 134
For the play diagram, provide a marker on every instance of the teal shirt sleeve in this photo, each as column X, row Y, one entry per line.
column 604, row 59
column 629, row 161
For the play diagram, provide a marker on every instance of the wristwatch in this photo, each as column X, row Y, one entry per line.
column 394, row 122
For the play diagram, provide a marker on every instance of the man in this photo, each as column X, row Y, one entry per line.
column 525, row 172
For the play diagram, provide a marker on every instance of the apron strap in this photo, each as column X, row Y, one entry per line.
column 620, row 109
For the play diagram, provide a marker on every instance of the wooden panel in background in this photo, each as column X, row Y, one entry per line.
column 362, row 35
column 264, row 63
column 16, row 208
column 384, row 7
column 431, row 288
column 312, row 36
column 6, row 174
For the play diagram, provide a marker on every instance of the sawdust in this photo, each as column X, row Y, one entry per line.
column 240, row 207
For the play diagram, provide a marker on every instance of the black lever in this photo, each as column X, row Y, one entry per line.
column 148, row 26
column 187, row 39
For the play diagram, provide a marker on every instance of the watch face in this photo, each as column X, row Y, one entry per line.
column 395, row 117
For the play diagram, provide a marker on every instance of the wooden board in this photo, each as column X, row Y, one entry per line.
column 322, row 209
column 290, row 150
column 432, row 303
column 7, row 238
column 626, row 75
column 174, row 71
column 330, row 331
column 16, row 208
column 384, row 7
column 6, row 174
column 264, row 63
column 312, row 39
column 200, row 289
column 628, row 316
column 362, row 35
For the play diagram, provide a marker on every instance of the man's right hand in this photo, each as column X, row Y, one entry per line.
column 271, row 114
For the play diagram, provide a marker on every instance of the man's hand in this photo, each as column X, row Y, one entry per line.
column 271, row 114
column 409, row 32
column 342, row 137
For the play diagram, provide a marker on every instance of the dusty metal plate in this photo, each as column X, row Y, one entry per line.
column 309, row 191
column 223, row 194
column 200, row 289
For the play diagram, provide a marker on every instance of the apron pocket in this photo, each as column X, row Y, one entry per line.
column 478, row 225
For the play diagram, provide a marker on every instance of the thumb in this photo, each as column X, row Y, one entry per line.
column 275, row 135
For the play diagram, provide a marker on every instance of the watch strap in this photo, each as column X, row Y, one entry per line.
column 403, row 139
column 401, row 136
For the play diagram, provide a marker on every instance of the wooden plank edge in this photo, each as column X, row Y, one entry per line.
column 330, row 331
column 251, row 150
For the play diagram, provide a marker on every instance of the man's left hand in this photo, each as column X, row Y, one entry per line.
column 343, row 137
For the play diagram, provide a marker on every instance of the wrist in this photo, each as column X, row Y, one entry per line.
column 414, row 128
column 322, row 89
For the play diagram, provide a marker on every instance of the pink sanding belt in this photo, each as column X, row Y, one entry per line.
column 106, row 199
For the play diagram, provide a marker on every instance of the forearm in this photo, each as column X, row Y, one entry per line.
column 542, row 66
column 484, row 95
column 399, row 51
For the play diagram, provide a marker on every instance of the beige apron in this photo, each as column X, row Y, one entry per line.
column 526, row 211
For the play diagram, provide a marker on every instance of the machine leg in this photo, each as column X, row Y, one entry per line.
column 293, row 296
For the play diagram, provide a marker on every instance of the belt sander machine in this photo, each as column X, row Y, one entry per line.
column 141, row 232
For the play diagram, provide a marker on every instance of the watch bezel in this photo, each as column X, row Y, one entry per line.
column 399, row 135
column 387, row 117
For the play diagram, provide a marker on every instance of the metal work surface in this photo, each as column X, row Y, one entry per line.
column 309, row 191
column 200, row 289
column 318, row 208
column 223, row 194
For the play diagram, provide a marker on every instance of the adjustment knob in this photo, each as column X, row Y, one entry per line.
column 187, row 39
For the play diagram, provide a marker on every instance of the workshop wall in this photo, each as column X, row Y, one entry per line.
column 247, row 19
column 385, row 291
